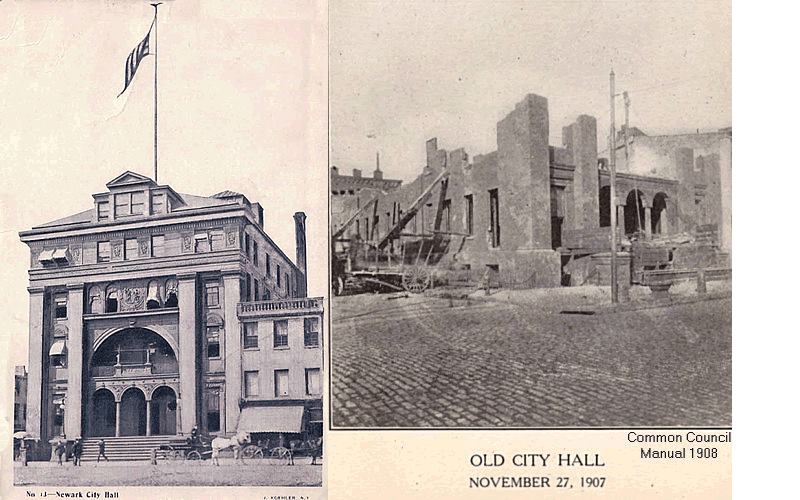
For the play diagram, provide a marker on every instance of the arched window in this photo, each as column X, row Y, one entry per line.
column 153, row 295
column 95, row 300
column 112, row 302
column 172, row 293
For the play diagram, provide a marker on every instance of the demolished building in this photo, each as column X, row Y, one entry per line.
column 537, row 215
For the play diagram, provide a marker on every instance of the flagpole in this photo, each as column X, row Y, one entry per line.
column 155, row 96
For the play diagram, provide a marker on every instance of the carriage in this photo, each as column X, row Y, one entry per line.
column 197, row 447
column 309, row 448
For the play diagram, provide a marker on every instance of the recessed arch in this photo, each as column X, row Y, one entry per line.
column 153, row 328
column 163, row 411
column 133, row 412
column 103, row 413
column 659, row 215
column 634, row 212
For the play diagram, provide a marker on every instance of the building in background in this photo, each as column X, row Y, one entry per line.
column 142, row 314
column 20, row 397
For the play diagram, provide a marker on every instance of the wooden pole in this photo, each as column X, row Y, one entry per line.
column 612, row 162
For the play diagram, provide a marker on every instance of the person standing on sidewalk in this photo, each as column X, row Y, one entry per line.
column 101, row 445
column 23, row 453
column 77, row 451
column 61, row 447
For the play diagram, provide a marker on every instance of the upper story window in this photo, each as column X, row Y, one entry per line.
column 255, row 254
column 247, row 245
column 287, row 284
column 311, row 332
column 212, row 336
column 103, row 251
column 251, row 383
column 103, row 210
column 278, row 275
column 216, row 239
column 281, row 383
column 269, row 266
column 157, row 245
column 131, row 249
column 313, row 387
column 281, row 334
column 201, row 243
column 250, row 335
column 60, row 304
column 212, row 294
column 158, row 203
column 126, row 204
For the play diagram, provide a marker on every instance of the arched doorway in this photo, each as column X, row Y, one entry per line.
column 605, row 206
column 659, row 215
column 134, row 349
column 634, row 212
column 163, row 412
column 133, row 413
column 104, row 413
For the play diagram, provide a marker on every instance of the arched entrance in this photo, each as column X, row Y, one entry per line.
column 634, row 212
column 163, row 408
column 659, row 213
column 133, row 413
column 103, row 414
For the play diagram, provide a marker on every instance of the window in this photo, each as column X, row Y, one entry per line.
column 269, row 264
column 251, row 383
column 311, row 332
column 280, row 337
column 278, row 275
column 251, row 335
column 469, row 223
column 131, row 249
column 212, row 410
column 157, row 203
column 61, row 307
column 358, row 227
column 217, row 239
column 212, row 336
column 494, row 218
column 103, row 251
column 103, row 210
column 212, row 294
column 312, row 382
column 281, row 383
column 446, row 216
column 157, row 245
column 122, row 205
column 287, row 283
column 201, row 243
column 248, row 287
column 137, row 203
column 247, row 245
column 112, row 304
column 256, row 295
column 267, row 294
column 255, row 254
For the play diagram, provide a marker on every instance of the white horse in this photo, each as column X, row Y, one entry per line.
column 236, row 442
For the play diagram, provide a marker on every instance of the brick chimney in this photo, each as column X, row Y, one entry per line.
column 300, row 259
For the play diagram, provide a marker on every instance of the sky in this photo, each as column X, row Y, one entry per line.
column 242, row 106
column 403, row 72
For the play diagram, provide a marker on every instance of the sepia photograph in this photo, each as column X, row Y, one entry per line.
column 164, row 246
column 530, row 214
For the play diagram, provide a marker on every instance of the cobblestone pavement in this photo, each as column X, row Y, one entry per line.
column 417, row 362
column 201, row 473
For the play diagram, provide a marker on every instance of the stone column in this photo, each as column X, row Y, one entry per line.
column 33, row 422
column 233, row 353
column 74, row 406
column 118, row 406
column 648, row 230
column 621, row 218
column 148, row 405
column 187, row 344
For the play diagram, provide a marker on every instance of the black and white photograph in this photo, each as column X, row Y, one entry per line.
column 530, row 214
column 164, row 248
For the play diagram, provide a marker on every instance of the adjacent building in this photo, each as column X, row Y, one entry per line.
column 20, row 397
column 153, row 312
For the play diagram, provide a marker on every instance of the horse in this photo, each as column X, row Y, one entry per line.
column 236, row 442
column 312, row 446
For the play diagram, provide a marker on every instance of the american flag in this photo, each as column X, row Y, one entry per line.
column 135, row 57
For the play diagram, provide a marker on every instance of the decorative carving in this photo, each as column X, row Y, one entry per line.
column 75, row 253
column 144, row 248
column 116, row 250
column 172, row 286
column 133, row 298
column 187, row 243
column 230, row 238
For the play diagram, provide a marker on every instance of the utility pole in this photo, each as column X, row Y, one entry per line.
column 612, row 163
column 627, row 100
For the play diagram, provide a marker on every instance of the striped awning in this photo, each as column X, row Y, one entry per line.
column 60, row 254
column 46, row 256
column 271, row 419
column 58, row 348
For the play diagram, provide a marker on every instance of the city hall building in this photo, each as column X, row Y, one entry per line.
column 153, row 312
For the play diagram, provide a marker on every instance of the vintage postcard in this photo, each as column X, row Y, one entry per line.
column 531, row 242
column 164, row 235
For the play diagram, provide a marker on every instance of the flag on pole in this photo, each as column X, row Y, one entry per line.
column 135, row 57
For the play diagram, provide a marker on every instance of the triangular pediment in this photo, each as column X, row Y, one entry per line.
column 127, row 178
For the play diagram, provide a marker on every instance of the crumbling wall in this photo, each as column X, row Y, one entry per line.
column 580, row 139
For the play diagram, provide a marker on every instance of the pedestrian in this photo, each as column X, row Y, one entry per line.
column 77, row 451
column 23, row 453
column 101, row 446
column 61, row 448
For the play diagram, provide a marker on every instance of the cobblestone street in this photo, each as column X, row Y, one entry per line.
column 516, row 361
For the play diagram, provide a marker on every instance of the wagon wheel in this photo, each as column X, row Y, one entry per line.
column 281, row 454
column 416, row 279
column 167, row 452
column 193, row 455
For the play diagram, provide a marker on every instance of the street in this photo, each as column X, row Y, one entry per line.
column 514, row 360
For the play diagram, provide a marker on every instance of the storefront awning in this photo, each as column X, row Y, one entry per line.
column 58, row 349
column 271, row 419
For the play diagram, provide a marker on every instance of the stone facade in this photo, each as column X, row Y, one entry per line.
column 134, row 326
column 20, row 397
